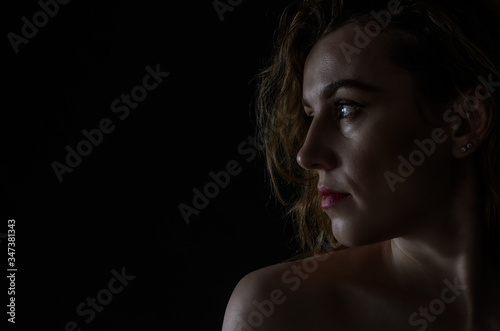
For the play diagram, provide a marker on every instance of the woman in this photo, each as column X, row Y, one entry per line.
column 382, row 117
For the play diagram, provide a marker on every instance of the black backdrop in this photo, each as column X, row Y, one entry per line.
column 117, row 212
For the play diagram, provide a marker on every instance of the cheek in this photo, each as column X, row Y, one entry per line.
column 401, row 179
column 377, row 148
column 393, row 178
column 373, row 215
column 424, row 176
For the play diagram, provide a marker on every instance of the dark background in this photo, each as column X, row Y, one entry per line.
column 119, row 207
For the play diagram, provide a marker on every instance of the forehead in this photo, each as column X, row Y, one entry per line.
column 336, row 57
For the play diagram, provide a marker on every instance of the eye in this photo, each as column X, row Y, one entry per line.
column 342, row 110
column 346, row 109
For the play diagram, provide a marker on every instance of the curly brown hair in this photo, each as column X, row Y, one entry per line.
column 445, row 44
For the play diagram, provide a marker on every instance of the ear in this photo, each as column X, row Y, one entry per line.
column 472, row 122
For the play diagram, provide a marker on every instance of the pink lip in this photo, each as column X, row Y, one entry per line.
column 330, row 197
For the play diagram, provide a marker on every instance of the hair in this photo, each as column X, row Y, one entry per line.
column 446, row 45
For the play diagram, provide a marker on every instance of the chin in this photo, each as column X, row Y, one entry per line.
column 351, row 236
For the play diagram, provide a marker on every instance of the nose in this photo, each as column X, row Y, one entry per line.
column 317, row 152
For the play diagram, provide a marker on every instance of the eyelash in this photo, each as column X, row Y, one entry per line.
column 338, row 106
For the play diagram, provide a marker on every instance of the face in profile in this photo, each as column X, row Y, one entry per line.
column 365, row 115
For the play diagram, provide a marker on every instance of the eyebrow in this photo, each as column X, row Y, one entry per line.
column 332, row 88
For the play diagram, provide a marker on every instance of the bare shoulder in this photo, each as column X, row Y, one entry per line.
column 336, row 290
column 295, row 295
column 259, row 289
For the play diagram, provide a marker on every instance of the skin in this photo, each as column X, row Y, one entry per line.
column 403, row 243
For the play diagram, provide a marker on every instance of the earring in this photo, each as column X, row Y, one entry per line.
column 467, row 147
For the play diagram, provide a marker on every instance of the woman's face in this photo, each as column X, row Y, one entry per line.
column 359, row 153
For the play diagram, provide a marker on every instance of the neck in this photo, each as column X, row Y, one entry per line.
column 446, row 248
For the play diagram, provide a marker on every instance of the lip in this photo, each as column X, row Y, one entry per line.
column 331, row 197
